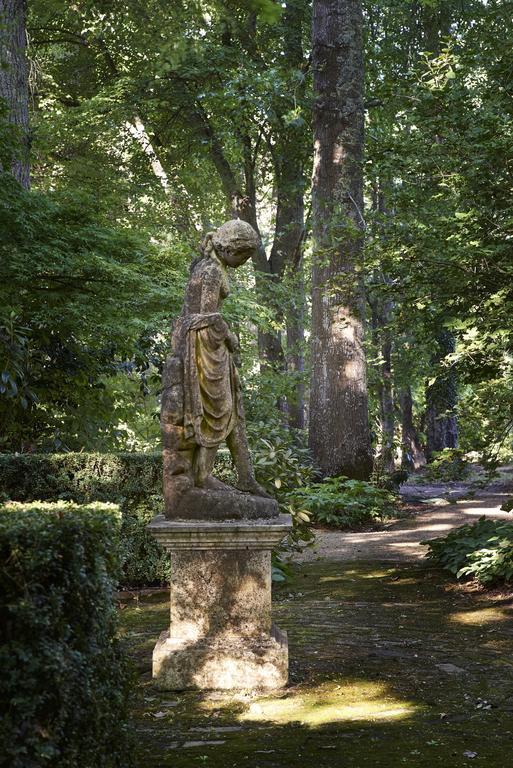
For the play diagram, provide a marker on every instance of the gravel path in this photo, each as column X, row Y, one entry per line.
column 399, row 541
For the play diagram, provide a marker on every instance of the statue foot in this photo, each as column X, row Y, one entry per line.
column 251, row 486
column 213, row 484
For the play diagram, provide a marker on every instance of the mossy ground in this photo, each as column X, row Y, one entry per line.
column 388, row 666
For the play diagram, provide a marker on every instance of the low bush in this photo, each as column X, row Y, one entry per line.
column 64, row 682
column 282, row 463
column 449, row 464
column 282, row 466
column 482, row 550
column 344, row 503
column 134, row 482
column 131, row 480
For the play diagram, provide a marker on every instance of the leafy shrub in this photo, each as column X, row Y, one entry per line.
column 483, row 550
column 64, row 682
column 282, row 466
column 345, row 503
column 132, row 480
column 449, row 464
column 281, row 462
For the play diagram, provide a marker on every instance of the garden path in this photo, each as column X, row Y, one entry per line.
column 433, row 510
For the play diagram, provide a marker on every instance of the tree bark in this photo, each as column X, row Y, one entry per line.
column 339, row 434
column 14, row 81
column 412, row 454
column 441, row 401
column 387, row 390
column 286, row 263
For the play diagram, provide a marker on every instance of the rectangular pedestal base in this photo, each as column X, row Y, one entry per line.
column 243, row 664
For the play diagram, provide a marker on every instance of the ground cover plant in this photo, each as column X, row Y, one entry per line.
column 65, row 680
column 482, row 551
column 345, row 503
column 449, row 464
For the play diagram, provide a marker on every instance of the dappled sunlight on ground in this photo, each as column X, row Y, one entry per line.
column 351, row 702
column 483, row 616
column 401, row 539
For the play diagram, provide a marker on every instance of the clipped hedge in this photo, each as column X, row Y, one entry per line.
column 64, row 681
column 131, row 480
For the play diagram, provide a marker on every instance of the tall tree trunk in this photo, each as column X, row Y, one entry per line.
column 339, row 434
column 286, row 260
column 286, row 264
column 387, row 392
column 441, row 401
column 382, row 341
column 14, row 81
column 442, row 395
column 412, row 454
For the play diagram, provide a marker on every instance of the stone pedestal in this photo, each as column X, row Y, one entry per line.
column 220, row 634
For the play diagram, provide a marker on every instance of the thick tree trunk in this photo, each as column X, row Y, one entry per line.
column 339, row 433
column 14, row 81
column 441, row 401
column 412, row 453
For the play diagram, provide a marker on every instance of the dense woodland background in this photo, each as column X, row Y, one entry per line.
column 383, row 320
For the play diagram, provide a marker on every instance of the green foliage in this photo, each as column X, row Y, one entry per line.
column 482, row 551
column 282, row 465
column 344, row 503
column 449, row 464
column 64, row 682
column 82, row 301
column 282, row 462
column 132, row 480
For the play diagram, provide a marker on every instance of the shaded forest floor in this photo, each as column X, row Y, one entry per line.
column 391, row 664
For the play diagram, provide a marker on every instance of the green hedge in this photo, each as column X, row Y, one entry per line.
column 132, row 480
column 64, row 682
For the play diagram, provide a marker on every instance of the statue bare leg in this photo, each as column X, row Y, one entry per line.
column 204, row 459
column 237, row 443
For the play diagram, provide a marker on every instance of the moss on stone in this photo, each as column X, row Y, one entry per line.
column 389, row 666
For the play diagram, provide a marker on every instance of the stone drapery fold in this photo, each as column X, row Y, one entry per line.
column 211, row 386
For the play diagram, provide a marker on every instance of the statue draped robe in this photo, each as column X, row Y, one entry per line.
column 212, row 400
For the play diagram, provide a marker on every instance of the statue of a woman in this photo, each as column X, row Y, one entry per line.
column 201, row 397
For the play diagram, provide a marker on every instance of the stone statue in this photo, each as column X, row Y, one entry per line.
column 201, row 396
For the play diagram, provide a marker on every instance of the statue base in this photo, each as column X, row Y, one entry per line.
column 250, row 664
column 228, row 504
column 220, row 635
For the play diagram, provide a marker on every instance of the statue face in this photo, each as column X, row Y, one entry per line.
column 236, row 258
column 235, row 242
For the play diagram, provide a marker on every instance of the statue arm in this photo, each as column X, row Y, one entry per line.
column 211, row 281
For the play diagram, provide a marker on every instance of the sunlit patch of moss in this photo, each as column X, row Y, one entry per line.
column 361, row 573
column 482, row 616
column 361, row 701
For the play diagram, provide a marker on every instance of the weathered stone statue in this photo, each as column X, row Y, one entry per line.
column 220, row 634
column 201, row 396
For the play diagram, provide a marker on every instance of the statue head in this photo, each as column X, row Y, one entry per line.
column 235, row 242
